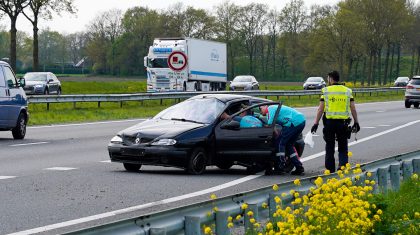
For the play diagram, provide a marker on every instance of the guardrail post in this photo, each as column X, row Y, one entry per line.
column 157, row 231
column 374, row 177
column 161, row 101
column 48, row 106
column 254, row 209
column 416, row 166
column 221, row 223
column 192, row 225
column 383, row 179
column 121, row 103
column 407, row 169
column 99, row 104
column 395, row 174
column 74, row 105
column 272, row 205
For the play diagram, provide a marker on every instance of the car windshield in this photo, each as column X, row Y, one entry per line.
column 415, row 81
column 35, row 77
column 158, row 63
column 242, row 79
column 314, row 79
column 402, row 79
column 196, row 110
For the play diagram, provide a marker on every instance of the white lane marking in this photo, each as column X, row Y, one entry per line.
column 60, row 168
column 106, row 161
column 384, row 125
column 363, row 140
column 4, row 177
column 381, row 111
column 37, row 143
column 368, row 127
column 147, row 205
column 87, row 123
column 194, row 194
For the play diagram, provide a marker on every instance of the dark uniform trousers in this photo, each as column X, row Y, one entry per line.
column 335, row 129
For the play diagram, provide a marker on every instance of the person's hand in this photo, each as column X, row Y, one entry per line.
column 314, row 128
column 355, row 128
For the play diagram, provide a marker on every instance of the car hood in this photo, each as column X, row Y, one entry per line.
column 32, row 83
column 240, row 84
column 153, row 128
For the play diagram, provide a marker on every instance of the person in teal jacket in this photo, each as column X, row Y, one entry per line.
column 293, row 123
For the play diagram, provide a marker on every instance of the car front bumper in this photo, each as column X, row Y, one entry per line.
column 34, row 90
column 148, row 155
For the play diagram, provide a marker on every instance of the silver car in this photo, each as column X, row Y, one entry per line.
column 401, row 81
column 42, row 83
column 412, row 92
column 244, row 83
column 314, row 83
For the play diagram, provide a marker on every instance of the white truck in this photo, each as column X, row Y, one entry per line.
column 186, row 64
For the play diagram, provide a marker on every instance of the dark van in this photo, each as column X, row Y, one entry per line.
column 13, row 103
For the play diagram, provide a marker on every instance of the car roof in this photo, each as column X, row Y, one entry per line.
column 416, row 77
column 227, row 97
column 38, row 72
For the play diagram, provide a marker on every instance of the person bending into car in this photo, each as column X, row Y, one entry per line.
column 245, row 119
column 293, row 123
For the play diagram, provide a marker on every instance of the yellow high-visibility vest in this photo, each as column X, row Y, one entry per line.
column 337, row 101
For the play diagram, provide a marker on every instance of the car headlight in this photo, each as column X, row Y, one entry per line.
column 165, row 142
column 116, row 140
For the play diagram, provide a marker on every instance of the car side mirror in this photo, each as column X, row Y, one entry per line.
column 22, row 82
column 230, row 125
column 50, row 80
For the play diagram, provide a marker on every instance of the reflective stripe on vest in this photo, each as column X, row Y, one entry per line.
column 334, row 101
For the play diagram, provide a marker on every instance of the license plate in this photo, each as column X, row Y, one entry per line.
column 133, row 152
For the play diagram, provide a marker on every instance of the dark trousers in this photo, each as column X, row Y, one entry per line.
column 288, row 137
column 335, row 129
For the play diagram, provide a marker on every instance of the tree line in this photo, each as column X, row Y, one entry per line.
column 368, row 41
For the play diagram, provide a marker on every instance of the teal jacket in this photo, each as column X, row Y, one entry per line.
column 286, row 117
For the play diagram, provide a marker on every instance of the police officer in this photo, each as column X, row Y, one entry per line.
column 293, row 123
column 335, row 106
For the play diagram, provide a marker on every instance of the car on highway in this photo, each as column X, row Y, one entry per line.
column 314, row 83
column 14, row 113
column 42, row 83
column 244, row 83
column 193, row 135
column 401, row 81
column 412, row 92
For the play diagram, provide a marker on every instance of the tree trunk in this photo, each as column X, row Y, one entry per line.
column 413, row 54
column 398, row 60
column 356, row 72
column 386, row 63
column 379, row 66
column 418, row 61
column 362, row 82
column 35, row 51
column 369, row 78
column 13, row 43
column 391, row 72
column 374, row 69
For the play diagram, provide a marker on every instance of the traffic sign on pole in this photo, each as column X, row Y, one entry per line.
column 177, row 61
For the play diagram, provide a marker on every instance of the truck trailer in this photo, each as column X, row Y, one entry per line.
column 186, row 64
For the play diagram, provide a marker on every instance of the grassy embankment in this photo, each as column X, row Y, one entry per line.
column 84, row 112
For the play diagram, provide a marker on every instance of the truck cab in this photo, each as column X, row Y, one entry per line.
column 13, row 103
column 202, row 66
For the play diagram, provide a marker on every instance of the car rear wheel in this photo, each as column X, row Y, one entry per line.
column 197, row 162
column 416, row 105
column 224, row 165
column 19, row 131
column 407, row 104
column 132, row 167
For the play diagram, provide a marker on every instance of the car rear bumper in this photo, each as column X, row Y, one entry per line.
column 148, row 155
column 412, row 98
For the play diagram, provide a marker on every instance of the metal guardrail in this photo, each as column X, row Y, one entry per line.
column 181, row 95
column 188, row 220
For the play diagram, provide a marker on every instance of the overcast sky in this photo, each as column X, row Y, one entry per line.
column 88, row 9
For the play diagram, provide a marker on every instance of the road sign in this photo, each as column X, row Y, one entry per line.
column 177, row 61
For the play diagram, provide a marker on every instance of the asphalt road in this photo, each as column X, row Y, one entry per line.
column 59, row 177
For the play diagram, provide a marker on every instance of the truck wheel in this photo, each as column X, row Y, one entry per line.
column 416, row 105
column 132, row 167
column 197, row 162
column 407, row 104
column 19, row 131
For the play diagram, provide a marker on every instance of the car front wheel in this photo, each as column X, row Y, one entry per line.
column 132, row 167
column 197, row 162
column 19, row 131
column 407, row 104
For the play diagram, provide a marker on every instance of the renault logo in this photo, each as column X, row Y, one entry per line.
column 137, row 141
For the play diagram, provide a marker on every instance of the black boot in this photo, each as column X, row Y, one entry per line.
column 299, row 171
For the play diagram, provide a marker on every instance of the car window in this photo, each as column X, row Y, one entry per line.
column 10, row 77
column 205, row 110
column 402, row 79
column 35, row 77
column 415, row 82
column 314, row 79
column 2, row 82
column 242, row 79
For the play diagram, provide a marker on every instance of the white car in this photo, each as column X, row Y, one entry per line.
column 401, row 81
column 314, row 83
column 412, row 92
column 244, row 83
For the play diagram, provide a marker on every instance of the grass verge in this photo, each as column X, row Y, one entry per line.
column 88, row 112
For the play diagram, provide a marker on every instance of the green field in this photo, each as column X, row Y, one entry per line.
column 87, row 112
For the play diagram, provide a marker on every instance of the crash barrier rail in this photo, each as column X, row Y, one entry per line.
column 48, row 99
column 189, row 220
